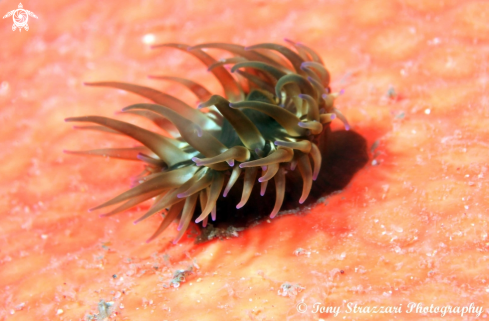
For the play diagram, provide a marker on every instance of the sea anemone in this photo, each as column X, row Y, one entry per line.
column 267, row 124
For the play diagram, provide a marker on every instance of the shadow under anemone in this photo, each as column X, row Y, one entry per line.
column 344, row 154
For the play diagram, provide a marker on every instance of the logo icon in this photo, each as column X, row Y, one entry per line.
column 20, row 17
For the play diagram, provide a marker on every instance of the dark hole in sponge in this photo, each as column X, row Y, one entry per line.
column 344, row 153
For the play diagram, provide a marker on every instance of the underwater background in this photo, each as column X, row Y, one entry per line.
column 410, row 227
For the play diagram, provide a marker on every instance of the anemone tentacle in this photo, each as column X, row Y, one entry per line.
column 268, row 121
